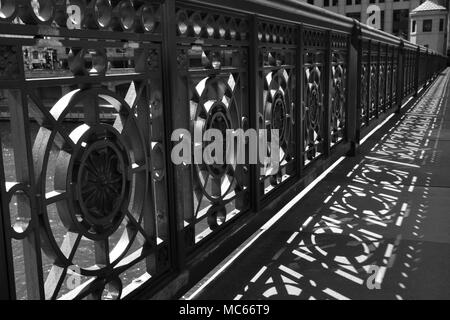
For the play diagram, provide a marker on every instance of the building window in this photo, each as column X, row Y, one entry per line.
column 326, row 3
column 357, row 1
column 414, row 26
column 372, row 1
column 382, row 20
column 427, row 25
column 335, row 2
column 441, row 25
column 349, row 2
column 400, row 23
column 311, row 2
column 381, row 1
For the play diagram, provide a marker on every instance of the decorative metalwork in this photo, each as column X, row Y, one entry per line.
column 86, row 91
column 314, row 133
column 213, row 96
column 374, row 85
column 117, row 15
column 394, row 75
column 92, row 155
column 389, row 82
column 277, row 107
column 364, row 86
column 382, row 81
column 338, row 88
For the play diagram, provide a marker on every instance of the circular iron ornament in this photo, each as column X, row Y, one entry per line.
column 112, row 290
column 232, row 29
column 21, row 225
column 98, row 14
column 36, row 11
column 147, row 18
column 314, row 97
column 7, row 10
column 210, row 23
column 338, row 96
column 182, row 23
column 214, row 108
column 216, row 216
column 100, row 183
column 124, row 16
column 100, row 180
column 278, row 116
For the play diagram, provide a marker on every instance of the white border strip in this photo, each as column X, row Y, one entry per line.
column 267, row 226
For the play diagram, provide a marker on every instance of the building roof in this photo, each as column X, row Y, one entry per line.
column 429, row 6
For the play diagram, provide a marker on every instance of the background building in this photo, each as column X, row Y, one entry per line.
column 429, row 26
column 394, row 14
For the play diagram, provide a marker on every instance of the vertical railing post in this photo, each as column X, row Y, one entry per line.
column 6, row 272
column 400, row 73
column 254, row 100
column 300, row 105
column 416, row 73
column 353, row 96
column 393, row 80
column 377, row 94
column 327, row 94
column 179, row 177
column 385, row 88
column 369, row 82
column 25, row 166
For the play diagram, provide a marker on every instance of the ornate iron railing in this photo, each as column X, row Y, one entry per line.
column 91, row 205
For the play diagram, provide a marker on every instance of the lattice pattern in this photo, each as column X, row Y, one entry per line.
column 87, row 189
column 277, row 107
column 275, row 33
column 389, row 82
column 314, row 132
column 315, row 38
column 197, row 24
column 213, row 84
column 382, row 81
column 125, row 15
column 364, row 86
column 374, row 73
column 338, row 95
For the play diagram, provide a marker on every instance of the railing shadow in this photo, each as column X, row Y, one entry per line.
column 364, row 236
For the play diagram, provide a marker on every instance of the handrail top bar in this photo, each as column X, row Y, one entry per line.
column 293, row 11
column 287, row 10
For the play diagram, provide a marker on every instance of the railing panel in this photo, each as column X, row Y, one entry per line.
column 212, row 84
column 382, row 80
column 374, row 80
column 339, row 56
column 314, row 63
column 389, row 70
column 84, row 158
column 364, row 84
column 276, row 104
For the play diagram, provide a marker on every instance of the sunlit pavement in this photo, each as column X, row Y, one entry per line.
column 377, row 227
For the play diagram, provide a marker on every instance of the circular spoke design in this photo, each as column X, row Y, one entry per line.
column 100, row 170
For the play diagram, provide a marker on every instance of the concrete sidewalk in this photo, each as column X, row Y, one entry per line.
column 377, row 227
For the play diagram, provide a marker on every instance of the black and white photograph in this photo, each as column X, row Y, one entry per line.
column 223, row 155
